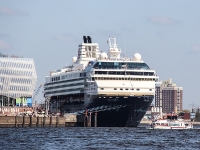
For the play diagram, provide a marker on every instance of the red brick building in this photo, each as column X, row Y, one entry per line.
column 169, row 97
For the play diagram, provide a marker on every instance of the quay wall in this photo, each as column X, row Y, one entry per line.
column 30, row 121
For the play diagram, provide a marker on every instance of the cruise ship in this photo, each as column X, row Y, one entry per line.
column 117, row 88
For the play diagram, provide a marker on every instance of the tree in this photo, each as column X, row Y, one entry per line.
column 185, row 111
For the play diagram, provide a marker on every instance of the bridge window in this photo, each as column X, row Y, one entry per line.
column 119, row 65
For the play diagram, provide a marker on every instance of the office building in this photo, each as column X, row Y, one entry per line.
column 169, row 97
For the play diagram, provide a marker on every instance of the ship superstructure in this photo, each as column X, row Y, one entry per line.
column 120, row 89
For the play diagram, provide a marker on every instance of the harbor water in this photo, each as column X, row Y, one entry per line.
column 71, row 138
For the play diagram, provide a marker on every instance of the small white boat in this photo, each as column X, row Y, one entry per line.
column 171, row 124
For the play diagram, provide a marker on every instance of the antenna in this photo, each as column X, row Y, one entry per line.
column 125, row 47
column 193, row 106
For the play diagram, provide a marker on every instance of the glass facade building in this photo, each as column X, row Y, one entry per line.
column 17, row 78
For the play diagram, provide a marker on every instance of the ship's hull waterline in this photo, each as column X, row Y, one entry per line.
column 113, row 111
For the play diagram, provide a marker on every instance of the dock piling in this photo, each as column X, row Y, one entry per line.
column 37, row 125
column 57, row 121
column 30, row 124
column 23, row 121
column 15, row 121
column 89, row 119
column 44, row 120
column 50, row 121
column 85, row 121
column 95, row 119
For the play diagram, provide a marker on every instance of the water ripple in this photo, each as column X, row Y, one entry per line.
column 98, row 138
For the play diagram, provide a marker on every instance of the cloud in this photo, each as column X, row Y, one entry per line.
column 162, row 20
column 64, row 37
column 12, row 12
column 4, row 45
column 196, row 49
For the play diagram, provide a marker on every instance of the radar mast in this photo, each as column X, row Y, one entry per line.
column 113, row 51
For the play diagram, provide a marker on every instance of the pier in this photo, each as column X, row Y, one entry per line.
column 69, row 120
column 29, row 121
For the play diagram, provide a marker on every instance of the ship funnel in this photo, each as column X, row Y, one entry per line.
column 85, row 39
column 89, row 39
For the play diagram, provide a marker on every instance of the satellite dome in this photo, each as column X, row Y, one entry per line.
column 103, row 55
column 137, row 57
column 74, row 59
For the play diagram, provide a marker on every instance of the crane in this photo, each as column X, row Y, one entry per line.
column 36, row 93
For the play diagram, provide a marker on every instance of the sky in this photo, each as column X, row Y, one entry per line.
column 166, row 34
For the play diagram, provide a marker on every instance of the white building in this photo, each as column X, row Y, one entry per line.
column 17, row 77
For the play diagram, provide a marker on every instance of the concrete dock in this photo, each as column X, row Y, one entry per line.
column 29, row 121
column 52, row 121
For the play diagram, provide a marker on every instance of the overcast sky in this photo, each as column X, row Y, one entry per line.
column 166, row 33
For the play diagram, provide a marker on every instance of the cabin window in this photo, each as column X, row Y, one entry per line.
column 102, row 88
column 115, row 88
column 121, row 89
column 138, row 89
